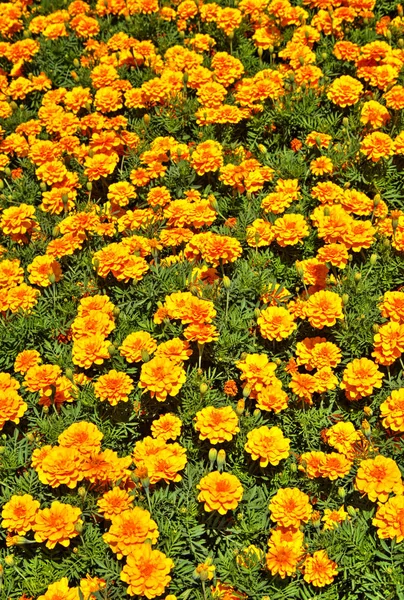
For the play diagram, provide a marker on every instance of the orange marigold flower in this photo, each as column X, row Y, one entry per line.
column 162, row 378
column 374, row 114
column 19, row 513
column 203, row 333
column 136, row 343
column 272, row 397
column 176, row 350
column 335, row 254
column 11, row 273
column 207, row 157
column 57, row 590
column 378, row 478
column 166, row 427
column 257, row 372
column 342, row 436
column 389, row 519
column 321, row 165
column 268, row 445
column 61, row 466
column 114, row 386
column 100, row 165
column 311, row 463
column 114, row 502
column 290, row 229
column 290, row 507
column 395, row 97
column 82, row 436
column 56, row 524
column 89, row 350
column 388, row 343
column 217, row 424
column 230, row 388
column 129, row 530
column 335, row 465
column 332, row 518
column 319, row 570
column 282, row 558
column 25, row 360
column 147, row 572
column 276, row 323
column 44, row 270
column 377, row 145
column 323, row 309
column 360, row 377
column 220, row 491
column 392, row 411
column 345, row 91
column 303, row 385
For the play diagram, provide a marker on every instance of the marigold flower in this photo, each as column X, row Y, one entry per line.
column 389, row 519
column 282, row 558
column 114, row 502
column 392, row 411
column 323, row 309
column 12, row 407
column 303, row 385
column 335, row 465
column 345, row 91
column 321, row 165
column 290, row 229
column 257, row 372
column 56, row 525
column 133, row 345
column 129, row 530
column 388, row 343
column 290, row 507
column 378, row 477
column 60, row 589
column 377, row 145
column 44, row 270
column 19, row 513
column 342, row 436
column 360, row 377
column 89, row 350
column 82, row 436
column 332, row 518
column 374, row 114
column 166, row 427
column 147, row 572
column 272, row 397
column 268, row 445
column 162, row 378
column 319, row 570
column 176, row 350
column 207, row 157
column 25, row 360
column 220, row 491
column 113, row 387
column 276, row 323
column 61, row 466
column 217, row 424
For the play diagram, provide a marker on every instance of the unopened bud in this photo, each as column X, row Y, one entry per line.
column 221, row 459
column 145, row 355
column 79, row 526
column 260, row 52
column 203, row 388
column 81, row 491
column 240, row 407
column 146, row 119
column 111, row 349
column 9, row 560
column 345, row 299
column 256, row 412
column 30, row 437
column 116, row 311
column 52, row 278
column 376, row 200
column 89, row 186
column 351, row 511
column 366, row 428
column 373, row 259
column 257, row 312
column 212, row 456
column 246, row 391
column 341, row 492
column 358, row 276
column 226, row 282
column 345, row 121
column 376, row 328
column 43, row 187
column 76, row 63
column 368, row 411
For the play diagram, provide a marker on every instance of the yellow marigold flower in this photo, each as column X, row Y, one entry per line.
column 93, row 323
column 60, row 589
column 114, row 387
column 163, row 461
column 220, row 491
column 360, row 377
column 389, row 519
column 342, row 436
column 321, row 165
column 61, row 466
column 19, row 513
column 161, row 378
column 147, row 572
column 89, row 585
column 378, row 478
column 166, row 427
column 276, row 323
column 217, row 424
column 335, row 465
column 56, row 524
column 323, row 309
column 90, row 350
column 207, row 157
column 332, row 518
column 268, row 445
column 25, row 360
column 319, row 570
column 133, row 345
column 345, row 91
column 176, row 350
column 12, row 407
column 377, row 145
column 44, row 270
column 290, row 229
column 392, row 411
column 114, row 502
column 257, row 372
column 272, row 397
column 282, row 558
column 83, row 436
column 129, row 530
column 290, row 507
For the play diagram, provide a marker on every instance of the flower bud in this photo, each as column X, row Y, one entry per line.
column 96, row 263
column 351, row 511
column 89, row 186
column 76, row 63
column 262, row 148
column 226, row 282
column 79, row 526
column 257, row 312
column 376, row 328
column 341, row 492
column 345, row 299
column 256, row 412
column 293, row 467
column 43, row 187
column 366, row 428
column 260, row 52
column 400, row 43
column 240, row 407
column 221, row 459
column 368, row 411
column 111, row 349
column 203, row 388
column 30, row 437
column 358, row 277
column 145, row 355
column 246, row 391
column 9, row 560
column 81, row 491
column 376, row 200
column 212, row 456
column 373, row 259
column 146, row 119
